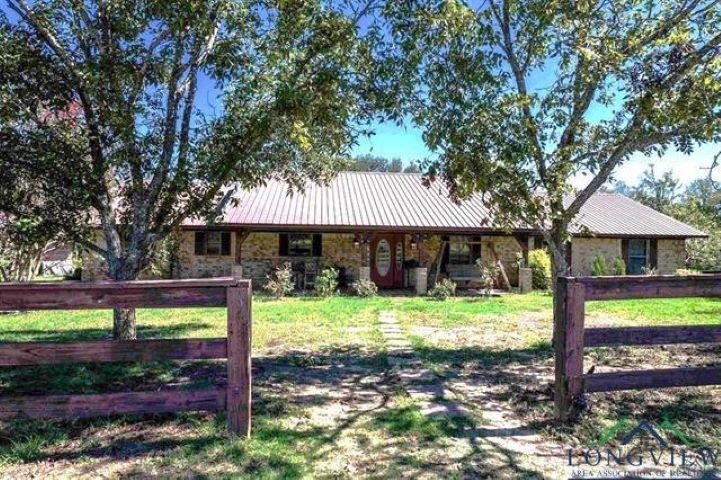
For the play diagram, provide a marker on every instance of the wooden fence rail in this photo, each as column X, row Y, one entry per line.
column 571, row 337
column 233, row 293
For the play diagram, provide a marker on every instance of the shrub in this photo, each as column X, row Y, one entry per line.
column 488, row 275
column 619, row 266
column 326, row 283
column 364, row 288
column 598, row 267
column 649, row 271
column 687, row 271
column 443, row 289
column 280, row 282
column 540, row 263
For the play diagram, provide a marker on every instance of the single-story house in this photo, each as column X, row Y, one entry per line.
column 389, row 227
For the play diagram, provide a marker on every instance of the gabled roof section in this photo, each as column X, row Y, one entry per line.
column 399, row 201
column 617, row 215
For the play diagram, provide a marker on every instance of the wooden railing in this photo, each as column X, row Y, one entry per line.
column 571, row 336
column 232, row 293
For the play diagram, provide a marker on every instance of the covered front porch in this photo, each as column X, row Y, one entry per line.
column 391, row 259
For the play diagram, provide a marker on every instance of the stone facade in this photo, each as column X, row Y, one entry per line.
column 671, row 256
column 203, row 266
column 94, row 267
column 507, row 249
column 259, row 255
column 584, row 250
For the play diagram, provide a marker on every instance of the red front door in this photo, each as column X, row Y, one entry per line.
column 387, row 259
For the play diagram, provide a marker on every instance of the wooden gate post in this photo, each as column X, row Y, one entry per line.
column 568, row 325
column 239, row 358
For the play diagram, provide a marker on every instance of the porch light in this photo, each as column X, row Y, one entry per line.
column 356, row 240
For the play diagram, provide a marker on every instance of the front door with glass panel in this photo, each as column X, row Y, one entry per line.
column 387, row 260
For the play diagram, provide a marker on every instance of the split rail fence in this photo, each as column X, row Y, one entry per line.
column 571, row 337
column 217, row 292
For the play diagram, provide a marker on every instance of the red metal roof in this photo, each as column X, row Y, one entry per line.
column 380, row 200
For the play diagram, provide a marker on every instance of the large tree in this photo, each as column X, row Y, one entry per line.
column 156, row 107
column 519, row 98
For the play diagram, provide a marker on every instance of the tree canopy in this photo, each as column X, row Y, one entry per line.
column 105, row 106
column 519, row 98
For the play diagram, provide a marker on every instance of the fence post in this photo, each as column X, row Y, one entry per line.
column 568, row 325
column 239, row 359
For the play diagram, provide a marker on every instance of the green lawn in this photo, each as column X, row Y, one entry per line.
column 325, row 400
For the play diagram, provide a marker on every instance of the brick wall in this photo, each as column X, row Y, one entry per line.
column 94, row 267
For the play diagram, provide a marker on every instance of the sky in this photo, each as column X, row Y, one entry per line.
column 406, row 142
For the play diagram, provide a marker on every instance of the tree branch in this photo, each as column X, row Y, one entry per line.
column 504, row 20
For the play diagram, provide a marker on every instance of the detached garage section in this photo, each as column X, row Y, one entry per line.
column 392, row 229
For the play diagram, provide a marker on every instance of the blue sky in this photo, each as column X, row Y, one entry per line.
column 406, row 143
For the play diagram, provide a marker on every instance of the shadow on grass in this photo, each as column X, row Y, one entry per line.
column 359, row 385
column 363, row 429
column 144, row 331
column 486, row 357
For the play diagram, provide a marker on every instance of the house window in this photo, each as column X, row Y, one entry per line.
column 300, row 245
column 463, row 250
column 637, row 256
column 212, row 243
column 459, row 253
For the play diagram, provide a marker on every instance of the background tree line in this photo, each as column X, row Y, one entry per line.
column 697, row 204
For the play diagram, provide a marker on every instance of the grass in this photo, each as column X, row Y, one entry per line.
column 326, row 403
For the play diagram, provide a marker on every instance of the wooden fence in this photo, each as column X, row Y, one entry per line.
column 571, row 337
column 232, row 293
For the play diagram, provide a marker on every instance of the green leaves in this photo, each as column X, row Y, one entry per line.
column 289, row 84
column 516, row 98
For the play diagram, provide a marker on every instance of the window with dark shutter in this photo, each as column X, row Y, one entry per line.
column 212, row 243
column 283, row 245
column 225, row 243
column 299, row 245
column 476, row 248
column 200, row 243
column 653, row 255
column 317, row 245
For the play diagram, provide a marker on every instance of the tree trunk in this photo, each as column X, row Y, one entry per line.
column 123, row 318
column 559, row 266
column 124, row 324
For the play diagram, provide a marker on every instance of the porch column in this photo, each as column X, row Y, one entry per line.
column 420, row 277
